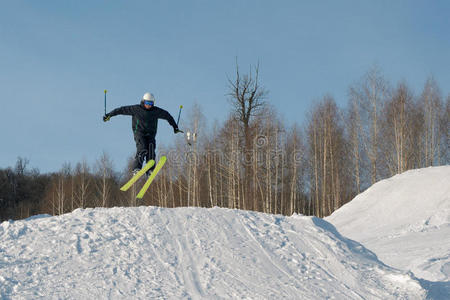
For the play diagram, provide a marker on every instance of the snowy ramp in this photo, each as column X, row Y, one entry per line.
column 190, row 253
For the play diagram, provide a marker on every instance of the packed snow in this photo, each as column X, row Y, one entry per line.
column 190, row 253
column 405, row 220
column 217, row 253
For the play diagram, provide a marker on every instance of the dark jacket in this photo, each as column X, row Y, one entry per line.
column 144, row 121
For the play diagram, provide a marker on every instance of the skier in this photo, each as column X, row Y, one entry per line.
column 144, row 124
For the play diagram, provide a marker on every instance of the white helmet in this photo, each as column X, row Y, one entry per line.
column 148, row 97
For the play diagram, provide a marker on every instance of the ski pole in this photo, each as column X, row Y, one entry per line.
column 179, row 114
column 105, row 101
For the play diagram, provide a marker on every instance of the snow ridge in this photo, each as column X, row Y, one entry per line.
column 149, row 252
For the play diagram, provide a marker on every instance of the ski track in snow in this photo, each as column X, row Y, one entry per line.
column 190, row 253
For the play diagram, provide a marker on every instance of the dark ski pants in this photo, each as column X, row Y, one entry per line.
column 145, row 149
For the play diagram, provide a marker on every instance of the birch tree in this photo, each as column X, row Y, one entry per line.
column 370, row 94
column 354, row 129
column 444, row 140
column 105, row 182
column 326, row 157
column 296, row 170
column 82, row 183
column 397, row 131
column 431, row 107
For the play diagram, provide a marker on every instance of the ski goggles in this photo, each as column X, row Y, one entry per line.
column 151, row 103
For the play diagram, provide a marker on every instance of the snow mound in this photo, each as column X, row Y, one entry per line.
column 405, row 220
column 150, row 252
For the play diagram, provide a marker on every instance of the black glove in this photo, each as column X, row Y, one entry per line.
column 176, row 130
column 106, row 118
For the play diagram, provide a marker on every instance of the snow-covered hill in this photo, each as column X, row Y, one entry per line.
column 405, row 220
column 149, row 252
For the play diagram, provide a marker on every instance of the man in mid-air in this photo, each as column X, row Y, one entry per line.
column 145, row 125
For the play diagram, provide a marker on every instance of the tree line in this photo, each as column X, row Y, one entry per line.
column 254, row 161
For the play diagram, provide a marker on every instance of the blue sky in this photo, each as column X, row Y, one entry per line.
column 57, row 57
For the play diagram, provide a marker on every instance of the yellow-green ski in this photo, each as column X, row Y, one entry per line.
column 138, row 175
column 158, row 167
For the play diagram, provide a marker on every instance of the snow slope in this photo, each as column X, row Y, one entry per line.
column 405, row 220
column 149, row 252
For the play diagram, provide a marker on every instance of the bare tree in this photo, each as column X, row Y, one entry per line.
column 354, row 129
column 82, row 183
column 196, row 125
column 104, row 185
column 430, row 105
column 229, row 167
column 21, row 165
column 370, row 94
column 212, row 165
column 296, row 156
column 397, row 130
column 444, row 140
column 248, row 99
column 327, row 157
column 60, row 190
